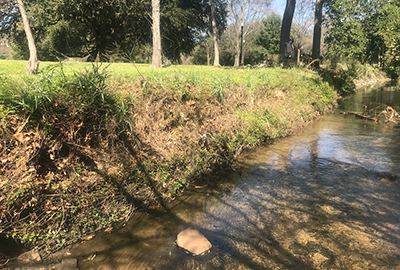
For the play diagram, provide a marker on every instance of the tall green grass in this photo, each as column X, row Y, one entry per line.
column 55, row 92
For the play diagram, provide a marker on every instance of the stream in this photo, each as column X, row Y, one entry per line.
column 328, row 198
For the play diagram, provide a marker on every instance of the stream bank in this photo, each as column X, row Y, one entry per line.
column 327, row 198
column 95, row 150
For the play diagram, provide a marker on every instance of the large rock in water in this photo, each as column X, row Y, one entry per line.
column 193, row 242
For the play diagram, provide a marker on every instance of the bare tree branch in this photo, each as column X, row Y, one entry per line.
column 245, row 13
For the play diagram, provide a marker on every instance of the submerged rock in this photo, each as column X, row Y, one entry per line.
column 193, row 242
column 386, row 176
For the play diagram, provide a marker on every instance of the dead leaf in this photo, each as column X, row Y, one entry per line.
column 19, row 137
column 36, row 145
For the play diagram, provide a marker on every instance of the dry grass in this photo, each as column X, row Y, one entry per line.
column 98, row 148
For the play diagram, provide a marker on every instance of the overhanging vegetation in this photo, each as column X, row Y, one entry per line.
column 81, row 151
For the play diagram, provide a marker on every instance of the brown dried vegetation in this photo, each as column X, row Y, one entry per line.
column 74, row 169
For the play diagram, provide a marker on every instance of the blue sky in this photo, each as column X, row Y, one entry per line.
column 278, row 6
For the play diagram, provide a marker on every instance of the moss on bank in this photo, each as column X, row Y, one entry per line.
column 81, row 152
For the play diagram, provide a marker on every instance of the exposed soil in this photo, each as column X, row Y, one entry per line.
column 67, row 174
column 312, row 201
column 297, row 204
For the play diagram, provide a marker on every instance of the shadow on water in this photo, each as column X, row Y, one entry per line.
column 276, row 221
column 326, row 199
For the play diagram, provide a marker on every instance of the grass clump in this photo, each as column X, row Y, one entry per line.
column 82, row 150
column 53, row 125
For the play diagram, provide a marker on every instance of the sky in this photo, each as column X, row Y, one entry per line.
column 278, row 6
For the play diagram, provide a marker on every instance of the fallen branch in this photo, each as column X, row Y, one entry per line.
column 312, row 62
column 360, row 115
column 4, row 264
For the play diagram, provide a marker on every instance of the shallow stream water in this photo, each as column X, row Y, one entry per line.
column 325, row 199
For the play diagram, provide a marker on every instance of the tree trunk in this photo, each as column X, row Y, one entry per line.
column 286, row 26
column 237, row 54
column 237, row 48
column 239, row 42
column 243, row 49
column 33, row 63
column 208, row 54
column 215, row 34
column 156, row 59
column 316, row 48
column 298, row 57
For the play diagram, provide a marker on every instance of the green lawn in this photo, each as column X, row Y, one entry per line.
column 122, row 70
column 174, row 74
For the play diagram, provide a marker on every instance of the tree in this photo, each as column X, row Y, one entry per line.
column 33, row 62
column 302, row 25
column 383, row 37
column 303, row 17
column 111, row 26
column 54, row 35
column 316, row 48
column 346, row 38
column 242, row 15
column 286, row 27
column 364, row 31
column 8, row 17
column 254, row 52
column 263, row 43
column 182, row 24
column 227, row 51
column 113, row 29
column 201, row 55
column 214, row 33
column 156, row 59
column 215, row 14
column 269, row 34
column 94, row 28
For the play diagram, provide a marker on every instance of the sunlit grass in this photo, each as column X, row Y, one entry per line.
column 215, row 79
column 186, row 121
column 192, row 74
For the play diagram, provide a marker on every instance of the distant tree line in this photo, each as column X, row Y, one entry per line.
column 109, row 29
column 218, row 31
column 364, row 31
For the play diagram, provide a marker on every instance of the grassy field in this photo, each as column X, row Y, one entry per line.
column 120, row 70
column 198, row 76
column 82, row 146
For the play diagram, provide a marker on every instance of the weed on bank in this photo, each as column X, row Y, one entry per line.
column 81, row 150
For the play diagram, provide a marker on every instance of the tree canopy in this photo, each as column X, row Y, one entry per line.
column 108, row 29
column 365, row 31
column 9, row 14
column 383, row 37
column 120, row 30
column 346, row 38
column 269, row 34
